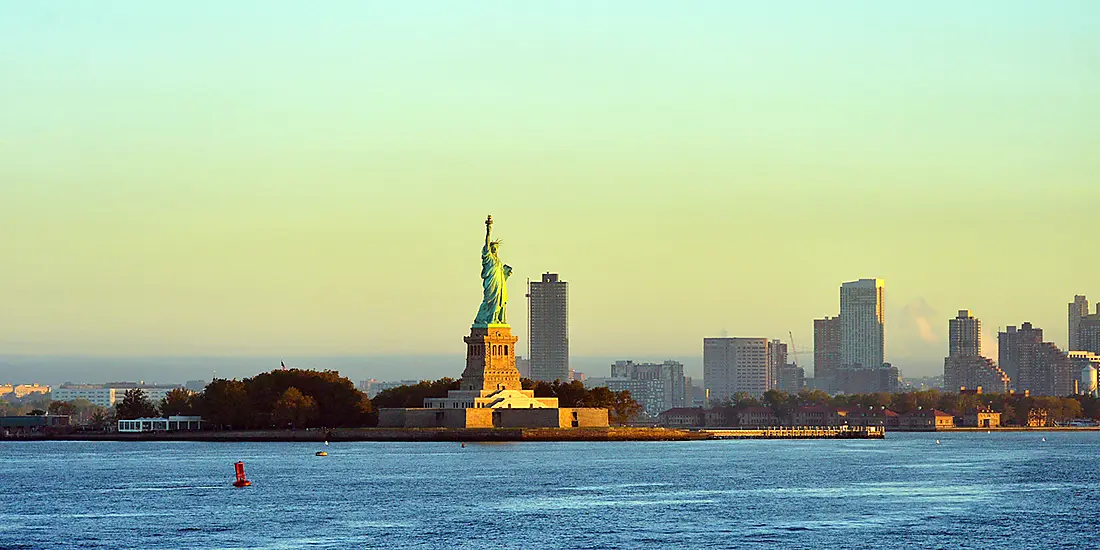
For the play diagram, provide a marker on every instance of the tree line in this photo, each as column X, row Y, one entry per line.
column 297, row 398
column 1013, row 408
column 292, row 398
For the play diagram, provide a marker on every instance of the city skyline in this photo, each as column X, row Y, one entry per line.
column 245, row 195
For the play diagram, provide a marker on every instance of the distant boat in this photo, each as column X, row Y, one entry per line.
column 321, row 453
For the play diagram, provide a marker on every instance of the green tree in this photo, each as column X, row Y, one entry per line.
column 178, row 402
column 135, row 404
column 625, row 408
column 813, row 397
column 412, row 396
column 295, row 409
column 99, row 418
column 61, row 408
column 224, row 403
column 744, row 399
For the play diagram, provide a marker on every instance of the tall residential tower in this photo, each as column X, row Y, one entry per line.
column 734, row 365
column 548, row 300
column 1078, row 309
column 862, row 324
column 964, row 366
column 826, row 348
column 1034, row 365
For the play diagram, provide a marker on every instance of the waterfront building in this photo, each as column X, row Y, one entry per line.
column 1087, row 364
column 1078, row 309
column 818, row 415
column 1038, row 417
column 964, row 365
column 682, row 417
column 983, row 418
column 656, row 386
column 927, row 419
column 548, row 328
column 732, row 365
column 1040, row 367
column 862, row 324
column 166, row 424
column 30, row 423
column 106, row 395
column 872, row 416
column 756, row 417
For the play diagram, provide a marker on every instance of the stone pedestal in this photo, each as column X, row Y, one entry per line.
column 490, row 360
column 490, row 394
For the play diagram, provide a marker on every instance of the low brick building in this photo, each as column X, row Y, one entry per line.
column 1038, row 418
column 756, row 416
column 818, row 415
column 872, row 416
column 926, row 419
column 682, row 417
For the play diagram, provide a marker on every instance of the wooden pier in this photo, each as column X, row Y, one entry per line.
column 797, row 432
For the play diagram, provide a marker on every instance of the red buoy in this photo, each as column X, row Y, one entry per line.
column 241, row 480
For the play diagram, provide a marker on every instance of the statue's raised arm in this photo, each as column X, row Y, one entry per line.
column 494, row 278
column 488, row 232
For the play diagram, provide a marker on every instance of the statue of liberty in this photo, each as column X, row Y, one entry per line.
column 494, row 279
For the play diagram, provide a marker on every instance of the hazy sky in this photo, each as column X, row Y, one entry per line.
column 208, row 178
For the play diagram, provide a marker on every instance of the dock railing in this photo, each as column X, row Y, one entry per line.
column 797, row 432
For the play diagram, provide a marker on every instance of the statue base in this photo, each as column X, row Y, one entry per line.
column 490, row 360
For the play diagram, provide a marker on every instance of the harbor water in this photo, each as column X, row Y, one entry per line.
column 911, row 490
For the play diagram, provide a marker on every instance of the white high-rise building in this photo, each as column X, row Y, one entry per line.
column 862, row 324
column 732, row 365
column 106, row 395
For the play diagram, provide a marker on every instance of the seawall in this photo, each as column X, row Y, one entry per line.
column 392, row 434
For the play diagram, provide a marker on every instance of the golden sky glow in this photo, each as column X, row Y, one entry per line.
column 261, row 179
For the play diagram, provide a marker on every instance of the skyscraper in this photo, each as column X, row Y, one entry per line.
column 777, row 361
column 862, row 324
column 965, row 335
column 826, row 348
column 1039, row 367
column 732, row 365
column 1088, row 332
column 548, row 329
column 964, row 365
column 1078, row 308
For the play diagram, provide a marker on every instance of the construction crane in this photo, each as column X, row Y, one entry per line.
column 794, row 350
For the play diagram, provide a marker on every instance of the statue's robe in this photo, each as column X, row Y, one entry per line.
column 494, row 278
